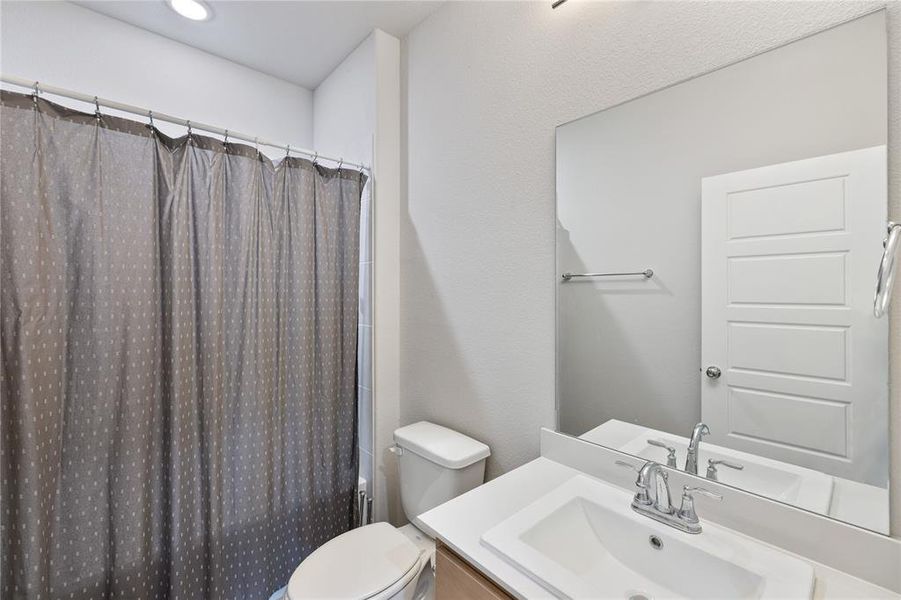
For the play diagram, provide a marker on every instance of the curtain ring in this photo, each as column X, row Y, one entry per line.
column 96, row 108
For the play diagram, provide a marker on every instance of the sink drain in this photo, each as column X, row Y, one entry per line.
column 637, row 596
column 656, row 544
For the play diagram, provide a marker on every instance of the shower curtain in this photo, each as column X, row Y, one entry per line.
column 179, row 341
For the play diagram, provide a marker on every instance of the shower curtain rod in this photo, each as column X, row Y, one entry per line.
column 38, row 87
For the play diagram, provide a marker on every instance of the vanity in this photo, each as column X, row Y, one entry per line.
column 481, row 552
column 723, row 267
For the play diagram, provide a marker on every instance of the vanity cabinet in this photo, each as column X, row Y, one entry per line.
column 456, row 579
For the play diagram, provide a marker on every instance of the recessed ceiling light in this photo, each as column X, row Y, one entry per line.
column 190, row 9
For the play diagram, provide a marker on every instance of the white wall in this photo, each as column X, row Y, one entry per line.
column 344, row 107
column 486, row 84
column 386, row 275
column 357, row 116
column 344, row 110
column 68, row 46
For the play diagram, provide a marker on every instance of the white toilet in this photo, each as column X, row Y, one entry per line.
column 379, row 561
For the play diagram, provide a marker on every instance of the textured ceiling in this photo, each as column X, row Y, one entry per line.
column 301, row 42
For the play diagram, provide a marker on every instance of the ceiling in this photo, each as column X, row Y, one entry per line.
column 298, row 41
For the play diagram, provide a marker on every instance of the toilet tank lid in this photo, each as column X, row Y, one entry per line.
column 441, row 445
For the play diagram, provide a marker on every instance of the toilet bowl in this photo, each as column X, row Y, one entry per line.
column 379, row 561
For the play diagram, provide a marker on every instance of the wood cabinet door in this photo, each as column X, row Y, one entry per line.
column 455, row 579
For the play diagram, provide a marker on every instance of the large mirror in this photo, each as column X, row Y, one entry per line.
column 717, row 252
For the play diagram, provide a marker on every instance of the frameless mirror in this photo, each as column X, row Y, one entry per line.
column 717, row 250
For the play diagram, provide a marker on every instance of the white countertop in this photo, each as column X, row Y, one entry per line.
column 461, row 522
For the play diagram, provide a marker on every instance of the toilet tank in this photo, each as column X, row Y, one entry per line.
column 436, row 464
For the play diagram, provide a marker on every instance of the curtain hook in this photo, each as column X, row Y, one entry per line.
column 190, row 131
column 256, row 145
column 150, row 116
column 288, row 151
column 34, row 95
column 316, row 159
column 225, row 141
column 340, row 163
column 97, row 108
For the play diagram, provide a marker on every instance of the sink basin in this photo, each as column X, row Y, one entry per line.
column 804, row 488
column 584, row 541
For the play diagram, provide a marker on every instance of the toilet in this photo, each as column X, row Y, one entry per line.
column 379, row 561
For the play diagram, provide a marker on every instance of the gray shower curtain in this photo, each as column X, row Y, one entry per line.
column 179, row 341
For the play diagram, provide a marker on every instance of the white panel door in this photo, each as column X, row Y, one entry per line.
column 789, row 259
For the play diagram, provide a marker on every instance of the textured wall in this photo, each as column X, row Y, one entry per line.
column 486, row 84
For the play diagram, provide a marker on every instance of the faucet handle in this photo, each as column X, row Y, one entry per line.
column 642, row 496
column 622, row 463
column 671, row 452
column 689, row 490
column 687, row 510
column 725, row 463
column 712, row 464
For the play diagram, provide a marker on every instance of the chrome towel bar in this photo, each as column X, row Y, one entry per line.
column 647, row 274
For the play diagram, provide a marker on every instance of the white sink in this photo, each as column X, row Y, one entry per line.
column 804, row 488
column 584, row 541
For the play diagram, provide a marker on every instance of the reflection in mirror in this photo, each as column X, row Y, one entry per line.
column 720, row 240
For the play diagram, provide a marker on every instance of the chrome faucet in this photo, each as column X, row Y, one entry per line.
column 670, row 452
column 657, row 506
column 712, row 465
column 691, row 461
column 687, row 514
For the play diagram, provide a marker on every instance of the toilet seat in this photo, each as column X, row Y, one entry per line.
column 370, row 562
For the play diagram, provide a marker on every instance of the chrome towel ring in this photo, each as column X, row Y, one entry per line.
column 885, row 277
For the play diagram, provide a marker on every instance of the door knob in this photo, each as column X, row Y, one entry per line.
column 713, row 372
